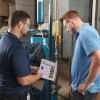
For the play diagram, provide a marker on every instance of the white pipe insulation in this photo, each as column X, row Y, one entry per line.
column 93, row 13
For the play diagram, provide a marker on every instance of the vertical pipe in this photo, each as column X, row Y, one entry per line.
column 57, row 22
column 90, row 11
column 56, row 10
column 55, row 91
column 35, row 13
column 61, row 41
column 93, row 13
column 50, row 43
column 50, row 28
column 97, row 14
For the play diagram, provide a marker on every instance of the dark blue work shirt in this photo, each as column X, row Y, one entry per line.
column 14, row 62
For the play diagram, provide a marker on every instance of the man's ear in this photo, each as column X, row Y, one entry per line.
column 20, row 24
column 64, row 22
column 70, row 20
column 73, row 21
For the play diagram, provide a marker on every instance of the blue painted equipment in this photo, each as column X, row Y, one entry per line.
column 42, row 95
column 36, row 53
column 35, row 38
column 40, row 11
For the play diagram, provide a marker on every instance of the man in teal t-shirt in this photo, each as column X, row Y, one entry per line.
column 85, row 67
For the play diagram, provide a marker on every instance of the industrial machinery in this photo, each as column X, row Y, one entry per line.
column 38, row 49
column 38, row 45
column 45, row 45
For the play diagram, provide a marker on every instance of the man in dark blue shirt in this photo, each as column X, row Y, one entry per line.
column 15, row 70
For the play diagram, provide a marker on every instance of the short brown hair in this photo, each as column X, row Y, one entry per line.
column 69, row 14
column 17, row 15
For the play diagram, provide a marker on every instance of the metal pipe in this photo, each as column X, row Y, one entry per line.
column 90, row 11
column 97, row 14
column 54, row 92
column 35, row 13
column 50, row 43
column 93, row 13
column 61, row 41
column 56, row 9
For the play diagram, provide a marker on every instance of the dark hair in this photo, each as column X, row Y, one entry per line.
column 17, row 15
column 69, row 14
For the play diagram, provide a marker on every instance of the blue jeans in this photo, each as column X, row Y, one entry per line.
column 88, row 96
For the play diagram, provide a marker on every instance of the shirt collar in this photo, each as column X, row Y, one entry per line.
column 77, row 34
column 13, row 36
column 81, row 27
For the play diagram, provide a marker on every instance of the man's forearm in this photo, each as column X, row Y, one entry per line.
column 93, row 73
column 28, row 80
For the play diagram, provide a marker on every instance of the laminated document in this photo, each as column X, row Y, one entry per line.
column 49, row 69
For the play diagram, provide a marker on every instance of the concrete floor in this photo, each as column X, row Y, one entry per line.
column 63, row 92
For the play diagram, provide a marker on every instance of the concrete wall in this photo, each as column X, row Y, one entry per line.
column 11, row 8
column 83, row 9
column 97, row 18
column 4, row 8
column 28, row 6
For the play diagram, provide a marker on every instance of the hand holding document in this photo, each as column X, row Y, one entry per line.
column 49, row 69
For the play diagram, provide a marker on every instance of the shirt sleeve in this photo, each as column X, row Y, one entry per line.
column 20, row 62
column 90, row 41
